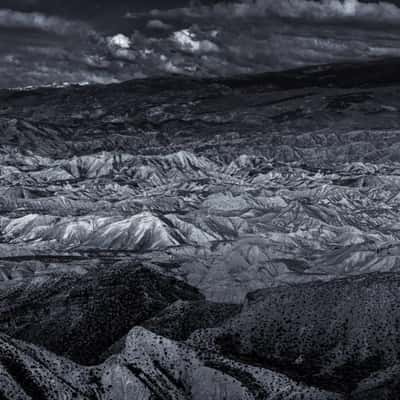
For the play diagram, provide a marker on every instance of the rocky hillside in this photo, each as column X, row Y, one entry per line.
column 81, row 317
column 149, row 367
column 335, row 333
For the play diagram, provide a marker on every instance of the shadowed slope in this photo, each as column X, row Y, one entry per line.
column 81, row 316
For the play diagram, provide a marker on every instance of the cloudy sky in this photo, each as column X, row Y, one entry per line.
column 55, row 41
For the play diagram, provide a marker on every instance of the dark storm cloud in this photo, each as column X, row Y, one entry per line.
column 323, row 10
column 88, row 8
column 17, row 19
column 262, row 35
column 204, row 40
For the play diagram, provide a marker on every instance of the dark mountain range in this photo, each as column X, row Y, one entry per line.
column 182, row 238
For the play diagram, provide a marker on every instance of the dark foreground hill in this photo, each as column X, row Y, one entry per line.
column 336, row 340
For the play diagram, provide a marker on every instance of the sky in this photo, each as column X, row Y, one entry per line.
column 46, row 42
